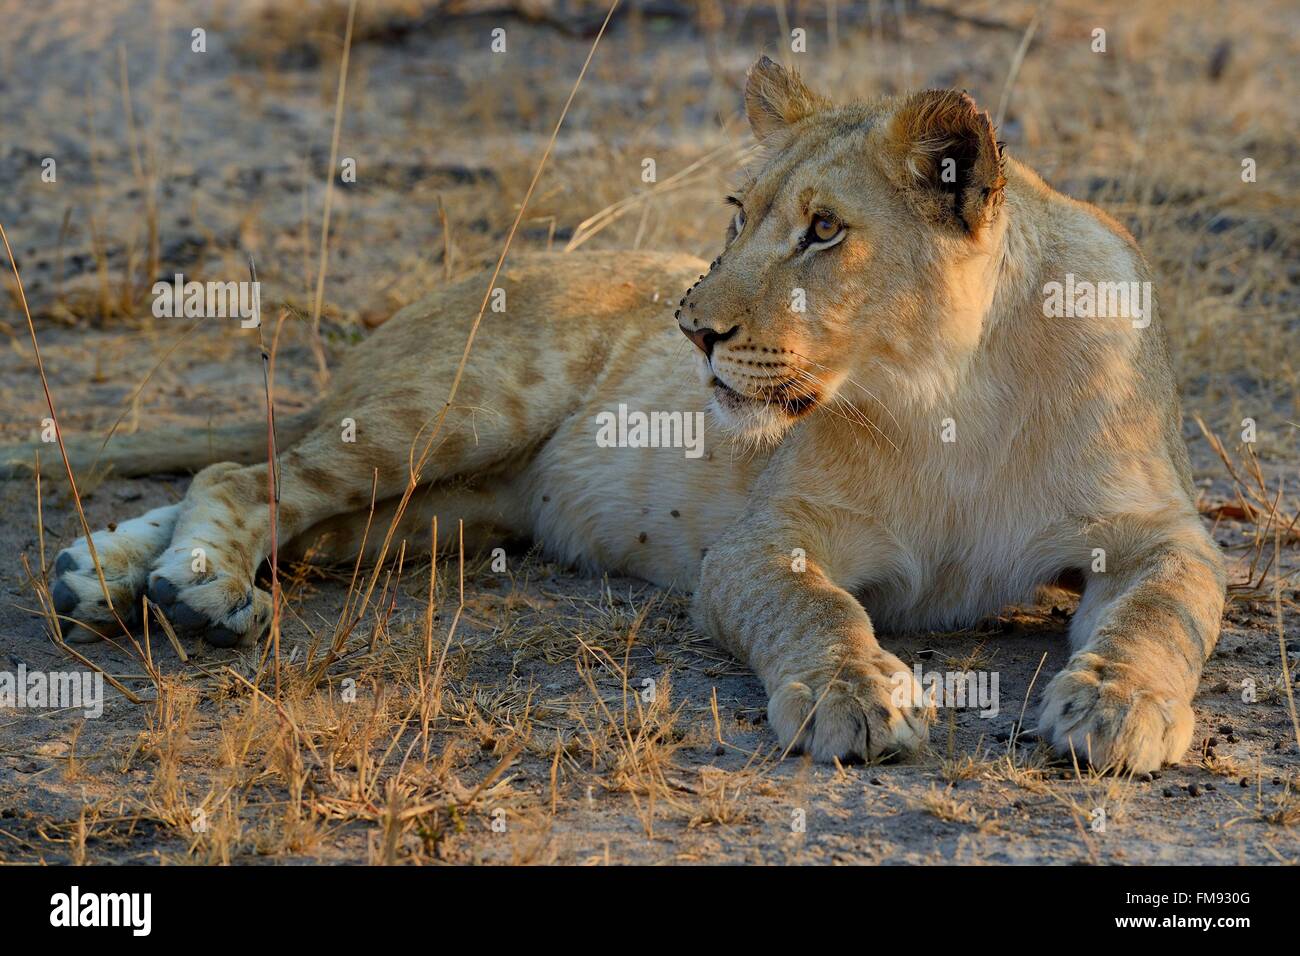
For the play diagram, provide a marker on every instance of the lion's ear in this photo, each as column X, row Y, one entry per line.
column 776, row 98
column 941, row 150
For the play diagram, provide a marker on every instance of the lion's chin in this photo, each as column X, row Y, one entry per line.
column 748, row 419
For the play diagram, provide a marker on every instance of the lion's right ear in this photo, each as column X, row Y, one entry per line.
column 940, row 150
column 776, row 98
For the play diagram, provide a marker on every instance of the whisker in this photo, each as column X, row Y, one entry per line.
column 859, row 417
column 852, row 381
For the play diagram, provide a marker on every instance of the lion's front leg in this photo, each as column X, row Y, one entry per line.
column 1145, row 626
column 833, row 691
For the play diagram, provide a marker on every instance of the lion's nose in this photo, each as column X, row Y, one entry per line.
column 705, row 339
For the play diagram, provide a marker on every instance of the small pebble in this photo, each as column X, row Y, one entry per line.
column 1194, row 790
column 1167, row 792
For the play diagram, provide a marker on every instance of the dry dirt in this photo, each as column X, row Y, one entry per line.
column 533, row 742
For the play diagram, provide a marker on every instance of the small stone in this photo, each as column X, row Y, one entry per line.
column 1167, row 792
column 1194, row 790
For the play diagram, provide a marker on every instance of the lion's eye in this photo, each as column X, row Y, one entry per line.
column 739, row 222
column 824, row 229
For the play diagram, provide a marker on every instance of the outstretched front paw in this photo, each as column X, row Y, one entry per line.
column 224, row 607
column 1113, row 716
column 125, row 553
column 869, row 708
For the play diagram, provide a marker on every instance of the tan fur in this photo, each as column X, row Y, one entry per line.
column 825, row 439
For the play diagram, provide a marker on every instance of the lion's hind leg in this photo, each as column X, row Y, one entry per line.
column 476, row 518
column 205, row 578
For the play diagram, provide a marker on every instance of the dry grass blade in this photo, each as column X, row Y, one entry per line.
column 58, row 434
column 318, row 346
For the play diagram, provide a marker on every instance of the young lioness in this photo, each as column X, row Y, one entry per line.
column 899, row 435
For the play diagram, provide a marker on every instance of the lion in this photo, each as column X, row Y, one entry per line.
column 862, row 416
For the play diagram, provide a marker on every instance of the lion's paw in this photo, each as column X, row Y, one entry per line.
column 224, row 607
column 1113, row 718
column 125, row 552
column 869, row 709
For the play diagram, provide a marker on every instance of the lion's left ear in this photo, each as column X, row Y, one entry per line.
column 941, row 150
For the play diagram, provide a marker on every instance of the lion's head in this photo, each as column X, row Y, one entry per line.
column 860, row 261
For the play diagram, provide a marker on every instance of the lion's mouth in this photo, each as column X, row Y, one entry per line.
column 793, row 402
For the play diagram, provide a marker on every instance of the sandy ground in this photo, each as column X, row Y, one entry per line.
column 543, row 749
